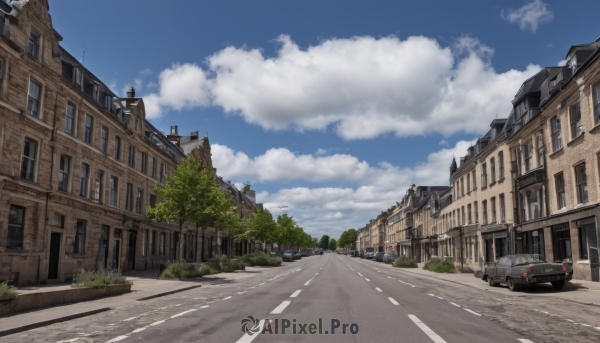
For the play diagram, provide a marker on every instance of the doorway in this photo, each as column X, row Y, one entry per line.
column 132, row 243
column 116, row 254
column 103, row 248
column 54, row 256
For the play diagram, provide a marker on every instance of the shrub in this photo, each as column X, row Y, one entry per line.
column 438, row 266
column 6, row 292
column 225, row 264
column 261, row 259
column 405, row 262
column 183, row 269
column 98, row 279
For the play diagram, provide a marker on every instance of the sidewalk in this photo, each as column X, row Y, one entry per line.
column 579, row 291
column 146, row 285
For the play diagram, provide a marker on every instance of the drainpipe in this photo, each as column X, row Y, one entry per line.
column 461, row 248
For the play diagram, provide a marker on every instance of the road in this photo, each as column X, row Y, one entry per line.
column 367, row 300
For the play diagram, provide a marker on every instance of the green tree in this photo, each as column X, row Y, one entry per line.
column 259, row 224
column 324, row 242
column 332, row 244
column 315, row 242
column 286, row 230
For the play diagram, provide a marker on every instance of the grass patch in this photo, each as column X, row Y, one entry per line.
column 6, row 292
column 184, row 270
column 438, row 266
column 405, row 262
column 261, row 259
column 98, row 279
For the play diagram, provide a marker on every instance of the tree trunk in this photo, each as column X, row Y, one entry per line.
column 196, row 245
column 202, row 249
column 180, row 254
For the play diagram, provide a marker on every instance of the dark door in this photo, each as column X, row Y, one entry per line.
column 103, row 247
column 131, row 250
column 116, row 255
column 54, row 256
column 489, row 251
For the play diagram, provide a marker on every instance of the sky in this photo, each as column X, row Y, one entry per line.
column 329, row 109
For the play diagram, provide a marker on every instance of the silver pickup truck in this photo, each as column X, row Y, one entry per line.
column 526, row 269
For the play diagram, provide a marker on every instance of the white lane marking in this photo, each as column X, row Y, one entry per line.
column 455, row 304
column 241, row 292
column 116, row 339
column 379, row 289
column 475, row 313
column 281, row 307
column 597, row 328
column 139, row 330
column 367, row 279
column 295, row 294
column 298, row 270
column 307, row 282
column 247, row 338
column 434, row 336
column 128, row 319
column 182, row 313
column 262, row 284
column 393, row 301
column 317, row 274
column 439, row 297
column 156, row 323
column 70, row 340
column 229, row 297
column 389, row 277
column 359, row 274
column 524, row 340
column 431, row 295
column 402, row 282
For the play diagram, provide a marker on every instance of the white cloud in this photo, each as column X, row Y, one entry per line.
column 375, row 188
column 530, row 16
column 561, row 63
column 363, row 86
column 321, row 151
column 146, row 72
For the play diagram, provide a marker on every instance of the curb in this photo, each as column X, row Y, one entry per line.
column 50, row 321
column 167, row 293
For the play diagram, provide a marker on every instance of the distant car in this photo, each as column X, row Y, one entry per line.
column 297, row 255
column 378, row 256
column 321, row 253
column 304, row 253
column 524, row 270
column 288, row 256
column 369, row 255
column 389, row 257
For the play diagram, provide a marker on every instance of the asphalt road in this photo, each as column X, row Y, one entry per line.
column 332, row 290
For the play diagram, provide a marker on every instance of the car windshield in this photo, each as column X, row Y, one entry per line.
column 529, row 259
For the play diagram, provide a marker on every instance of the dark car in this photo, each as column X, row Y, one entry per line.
column 297, row 255
column 378, row 256
column 369, row 255
column 287, row 256
column 389, row 258
column 525, row 270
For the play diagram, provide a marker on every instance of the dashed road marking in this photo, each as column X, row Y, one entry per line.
column 378, row 289
column 434, row 337
column 116, row 339
column 229, row 297
column 475, row 313
column 281, row 307
column 157, row 323
column 295, row 294
column 523, row 340
column 182, row 313
column 393, row 301
column 307, row 282
column 367, row 279
column 128, row 319
column 455, row 304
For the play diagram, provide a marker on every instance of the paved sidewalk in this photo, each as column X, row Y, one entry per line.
column 145, row 284
column 584, row 292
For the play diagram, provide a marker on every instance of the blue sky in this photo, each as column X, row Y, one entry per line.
column 331, row 108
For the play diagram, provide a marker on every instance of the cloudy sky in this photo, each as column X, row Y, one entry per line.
column 330, row 107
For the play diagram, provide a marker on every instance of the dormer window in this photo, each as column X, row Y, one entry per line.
column 77, row 77
column 572, row 62
column 95, row 92
column 108, row 102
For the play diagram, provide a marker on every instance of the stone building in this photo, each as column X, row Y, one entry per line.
column 78, row 164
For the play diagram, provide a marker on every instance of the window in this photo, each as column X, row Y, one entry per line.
column 560, row 191
column 474, row 181
column 28, row 159
column 534, row 206
column 2, row 70
column 469, row 221
column 129, row 197
column 131, row 156
column 153, row 168
column 144, row 166
column 117, row 148
column 139, row 202
column 85, row 180
column 163, row 171
column 476, row 210
column 469, row 183
column 77, row 77
column 99, row 186
column 95, row 93
column 502, row 209
column 59, row 220
column 33, row 48
column 161, row 245
column 464, row 218
column 493, row 169
column 79, row 244
column 540, row 150
column 483, row 175
column 528, row 154
column 108, row 102
column 588, row 241
column 16, row 218
column 33, row 98
column 556, row 134
column 114, row 191
column 88, row 129
column 104, row 140
column 597, row 104
column 70, row 119
column 153, row 244
column 152, row 200
column 493, row 208
column 582, row 192
column 576, row 121
column 484, row 209
column 501, row 165
column 63, row 173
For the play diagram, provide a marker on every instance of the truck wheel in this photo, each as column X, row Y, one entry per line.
column 558, row 284
column 491, row 281
column 512, row 285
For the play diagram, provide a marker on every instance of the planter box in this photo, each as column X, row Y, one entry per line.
column 32, row 301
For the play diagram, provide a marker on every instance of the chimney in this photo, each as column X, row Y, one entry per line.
column 173, row 136
column 249, row 192
column 194, row 136
column 131, row 93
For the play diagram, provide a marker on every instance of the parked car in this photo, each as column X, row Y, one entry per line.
column 304, row 253
column 389, row 257
column 297, row 255
column 321, row 253
column 378, row 256
column 369, row 255
column 287, row 256
column 525, row 270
